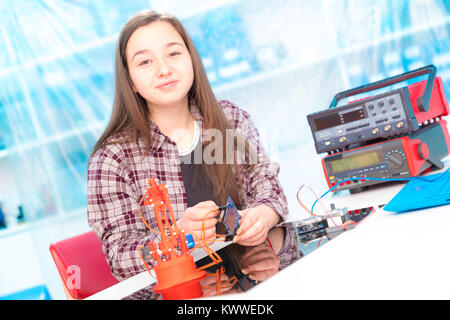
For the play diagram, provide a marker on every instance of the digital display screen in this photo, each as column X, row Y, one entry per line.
column 355, row 162
column 335, row 119
column 328, row 121
column 353, row 116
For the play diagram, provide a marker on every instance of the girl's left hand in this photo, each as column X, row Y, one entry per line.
column 255, row 224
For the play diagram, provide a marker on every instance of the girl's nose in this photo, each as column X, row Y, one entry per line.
column 163, row 69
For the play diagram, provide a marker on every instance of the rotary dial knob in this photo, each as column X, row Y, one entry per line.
column 395, row 159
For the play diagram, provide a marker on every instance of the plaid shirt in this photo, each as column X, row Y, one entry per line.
column 117, row 179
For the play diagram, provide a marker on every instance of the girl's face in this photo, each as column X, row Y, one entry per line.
column 159, row 64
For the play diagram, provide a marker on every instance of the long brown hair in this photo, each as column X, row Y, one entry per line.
column 130, row 114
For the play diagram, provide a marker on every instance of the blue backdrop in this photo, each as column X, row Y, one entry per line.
column 280, row 60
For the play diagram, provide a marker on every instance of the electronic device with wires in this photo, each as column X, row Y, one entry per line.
column 229, row 217
column 317, row 227
column 330, row 224
column 403, row 157
column 358, row 215
column 426, row 192
column 393, row 113
column 315, row 231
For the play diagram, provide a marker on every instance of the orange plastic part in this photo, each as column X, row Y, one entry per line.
column 179, row 279
column 176, row 272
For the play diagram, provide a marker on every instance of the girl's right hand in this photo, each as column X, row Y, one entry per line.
column 200, row 217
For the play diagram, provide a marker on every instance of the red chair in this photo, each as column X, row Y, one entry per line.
column 82, row 265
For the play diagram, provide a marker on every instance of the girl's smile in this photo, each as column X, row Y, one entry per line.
column 167, row 85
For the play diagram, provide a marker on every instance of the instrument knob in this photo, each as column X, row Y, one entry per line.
column 395, row 159
column 423, row 151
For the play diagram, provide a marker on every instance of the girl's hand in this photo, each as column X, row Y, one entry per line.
column 260, row 262
column 199, row 218
column 255, row 224
column 209, row 285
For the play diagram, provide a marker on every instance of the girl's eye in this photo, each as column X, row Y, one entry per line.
column 173, row 54
column 144, row 62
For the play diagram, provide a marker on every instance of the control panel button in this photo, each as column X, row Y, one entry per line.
column 399, row 124
column 387, row 127
column 375, row 131
column 395, row 159
column 342, row 139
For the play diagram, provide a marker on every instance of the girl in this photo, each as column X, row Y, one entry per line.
column 164, row 115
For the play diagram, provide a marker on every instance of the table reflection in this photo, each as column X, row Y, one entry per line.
column 244, row 267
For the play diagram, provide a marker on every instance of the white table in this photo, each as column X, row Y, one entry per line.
column 387, row 256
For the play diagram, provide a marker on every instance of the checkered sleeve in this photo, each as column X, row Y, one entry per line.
column 261, row 185
column 290, row 252
column 113, row 212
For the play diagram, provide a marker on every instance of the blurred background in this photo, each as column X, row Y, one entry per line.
column 279, row 60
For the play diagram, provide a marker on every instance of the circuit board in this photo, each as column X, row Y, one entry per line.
column 231, row 218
